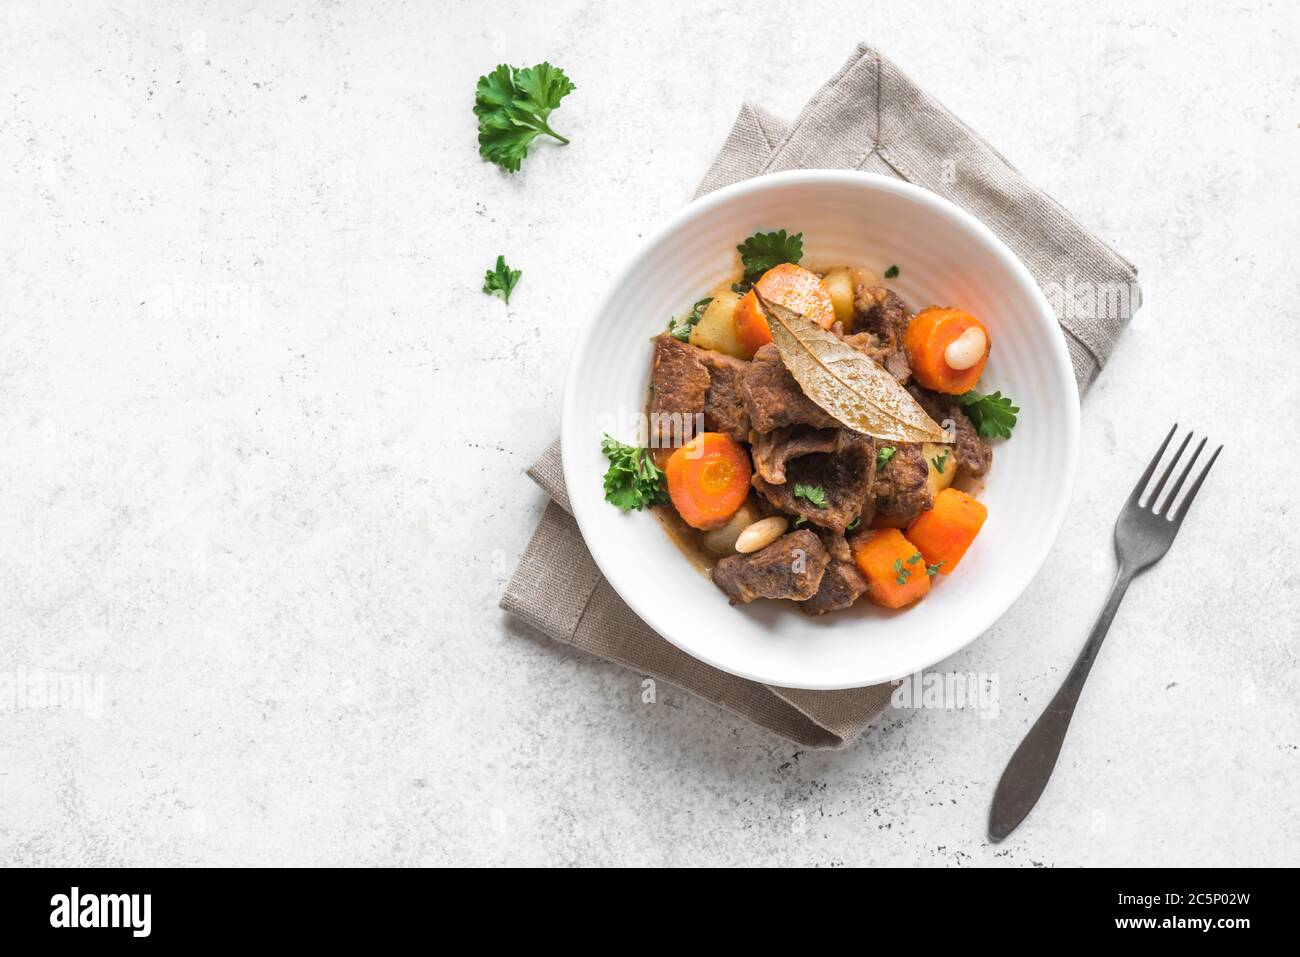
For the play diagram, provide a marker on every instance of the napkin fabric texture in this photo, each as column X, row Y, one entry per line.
column 869, row 116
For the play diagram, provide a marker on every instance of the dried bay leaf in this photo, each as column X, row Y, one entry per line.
column 844, row 383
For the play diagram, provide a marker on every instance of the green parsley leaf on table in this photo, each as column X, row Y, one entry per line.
column 512, row 106
column 632, row 481
column 500, row 280
column 761, row 251
column 993, row 415
column 814, row 495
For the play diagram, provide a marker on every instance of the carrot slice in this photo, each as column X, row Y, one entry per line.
column 793, row 287
column 928, row 337
column 751, row 327
column 708, row 479
column 945, row 532
column 892, row 566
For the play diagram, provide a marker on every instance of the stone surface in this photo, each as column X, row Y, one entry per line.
column 262, row 439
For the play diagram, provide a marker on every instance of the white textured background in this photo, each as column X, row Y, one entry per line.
column 262, row 438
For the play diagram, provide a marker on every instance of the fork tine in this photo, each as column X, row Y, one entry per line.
column 1173, row 495
column 1146, row 476
column 1196, row 487
column 1169, row 470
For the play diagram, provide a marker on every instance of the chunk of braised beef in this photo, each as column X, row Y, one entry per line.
column 844, row 477
column 879, row 320
column 791, row 567
column 894, row 360
column 836, row 545
column 971, row 451
column 774, row 399
column 840, row 587
column 679, row 382
column 724, row 405
column 880, row 311
column 772, row 450
column 902, row 490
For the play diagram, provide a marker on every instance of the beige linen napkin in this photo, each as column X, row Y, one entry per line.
column 869, row 116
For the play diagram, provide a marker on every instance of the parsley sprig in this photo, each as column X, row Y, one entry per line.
column 814, row 495
column 883, row 455
column 513, row 106
column 761, row 251
column 940, row 462
column 632, row 481
column 993, row 415
column 501, row 280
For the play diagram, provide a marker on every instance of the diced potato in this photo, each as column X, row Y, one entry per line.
column 937, row 452
column 716, row 329
column 722, row 541
column 839, row 283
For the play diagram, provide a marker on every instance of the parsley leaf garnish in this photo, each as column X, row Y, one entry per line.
column 512, row 106
column 916, row 557
column 853, row 524
column 883, row 455
column 814, row 495
column 682, row 331
column 933, row 570
column 500, row 280
column 801, row 521
column 761, row 251
column 633, row 481
column 903, row 573
column 993, row 415
column 940, row 462
column 891, row 272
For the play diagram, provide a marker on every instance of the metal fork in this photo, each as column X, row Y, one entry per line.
column 1143, row 534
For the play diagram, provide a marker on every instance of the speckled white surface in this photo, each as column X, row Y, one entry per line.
column 262, row 438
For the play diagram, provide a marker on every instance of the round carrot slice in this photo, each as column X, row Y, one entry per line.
column 708, row 479
column 927, row 340
column 793, row 287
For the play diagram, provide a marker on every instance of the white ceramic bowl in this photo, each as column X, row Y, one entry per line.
column 947, row 258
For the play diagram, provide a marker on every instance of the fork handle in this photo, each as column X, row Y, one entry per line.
column 1029, row 769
